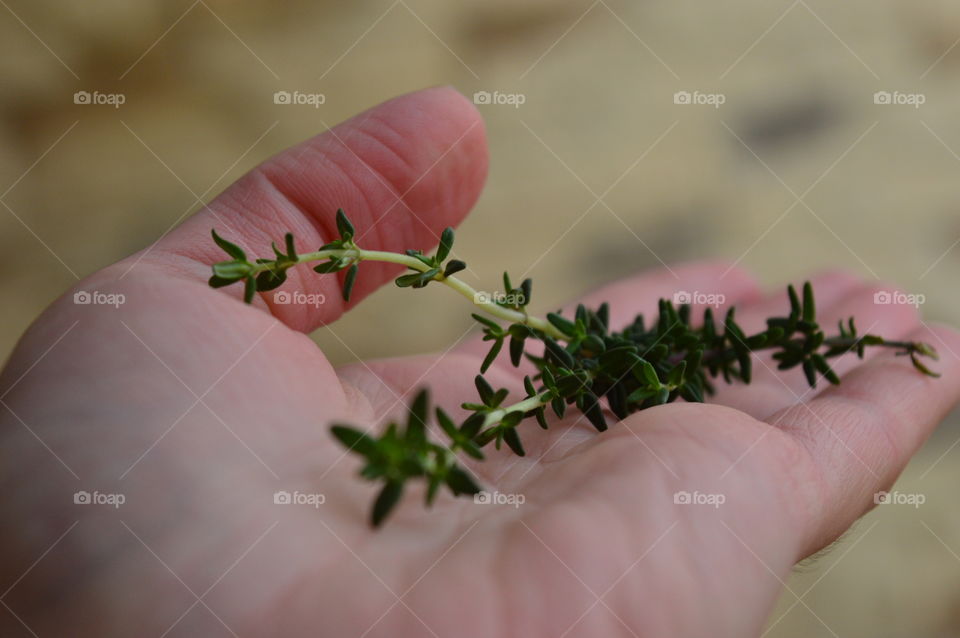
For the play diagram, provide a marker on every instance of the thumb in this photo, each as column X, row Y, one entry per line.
column 402, row 171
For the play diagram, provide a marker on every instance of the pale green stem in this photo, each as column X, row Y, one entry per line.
column 482, row 301
column 530, row 403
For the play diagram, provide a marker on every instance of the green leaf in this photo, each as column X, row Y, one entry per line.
column 233, row 270
column 328, row 267
column 562, row 324
column 795, row 308
column 269, row 280
column 593, row 412
column 405, row 281
column 824, row 368
column 344, row 227
column 249, row 289
column 447, row 424
column 220, row 282
column 354, row 440
column 417, row 418
column 648, row 372
column 675, row 378
column 386, row 501
column 453, row 267
column 487, row 395
column 291, row 250
column 512, row 439
column 231, row 249
column 809, row 309
column 446, row 243
column 348, row 282
column 472, row 425
column 516, row 350
column 460, row 482
column 491, row 355
column 489, row 323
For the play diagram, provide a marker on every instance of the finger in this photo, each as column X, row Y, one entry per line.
column 861, row 433
column 839, row 296
column 705, row 282
column 402, row 171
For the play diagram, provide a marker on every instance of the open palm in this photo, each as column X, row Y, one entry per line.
column 198, row 409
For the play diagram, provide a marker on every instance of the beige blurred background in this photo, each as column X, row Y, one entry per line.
column 84, row 185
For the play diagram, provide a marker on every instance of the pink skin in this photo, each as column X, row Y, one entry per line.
column 599, row 518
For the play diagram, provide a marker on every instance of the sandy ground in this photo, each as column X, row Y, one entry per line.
column 797, row 170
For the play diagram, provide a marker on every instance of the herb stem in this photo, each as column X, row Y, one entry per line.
column 482, row 301
column 530, row 403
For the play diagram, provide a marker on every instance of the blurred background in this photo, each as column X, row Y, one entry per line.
column 789, row 136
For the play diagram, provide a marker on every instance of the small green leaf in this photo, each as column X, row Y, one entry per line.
column 220, row 282
column 344, row 227
column 491, row 355
column 386, row 501
column 453, row 267
column 593, row 412
column 562, row 324
column 231, row 249
column 512, row 439
column 405, row 281
column 269, row 280
column 328, row 267
column 484, row 389
column 446, row 243
column 648, row 372
column 233, row 270
column 354, row 440
column 348, row 282
column 417, row 418
column 249, row 289
column 809, row 309
column 460, row 482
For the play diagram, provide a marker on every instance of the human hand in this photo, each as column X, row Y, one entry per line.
column 197, row 409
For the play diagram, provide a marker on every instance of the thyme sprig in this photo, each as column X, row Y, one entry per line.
column 579, row 360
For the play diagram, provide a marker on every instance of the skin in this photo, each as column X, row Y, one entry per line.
column 198, row 408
